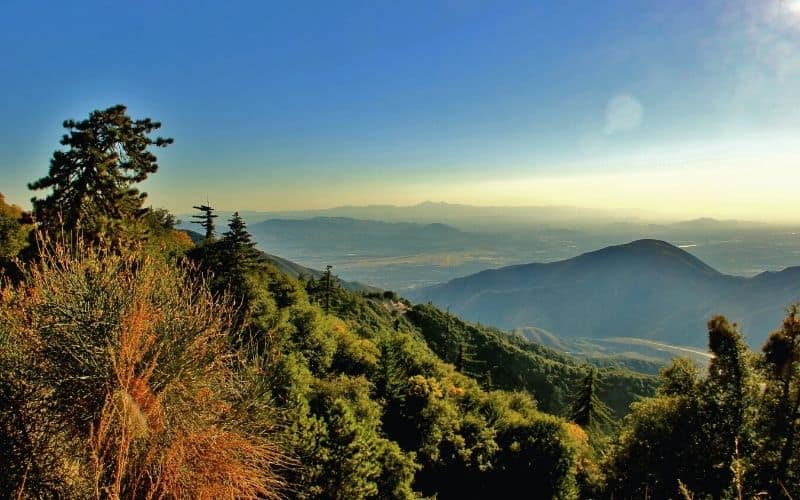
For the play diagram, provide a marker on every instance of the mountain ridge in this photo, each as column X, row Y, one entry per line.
column 431, row 211
column 646, row 288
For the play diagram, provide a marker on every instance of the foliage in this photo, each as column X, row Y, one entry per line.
column 513, row 363
column 163, row 240
column 13, row 232
column 91, row 184
column 467, row 440
column 730, row 434
column 122, row 383
column 778, row 418
column 231, row 259
column 370, row 411
column 656, row 448
column 587, row 409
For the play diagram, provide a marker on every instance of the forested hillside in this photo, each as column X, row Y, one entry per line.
column 138, row 364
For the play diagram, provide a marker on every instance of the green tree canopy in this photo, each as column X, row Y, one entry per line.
column 92, row 184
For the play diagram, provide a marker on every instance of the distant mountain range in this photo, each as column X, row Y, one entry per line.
column 402, row 247
column 648, row 289
column 365, row 237
column 473, row 217
column 429, row 211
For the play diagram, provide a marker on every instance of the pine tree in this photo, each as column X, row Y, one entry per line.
column 467, row 361
column 311, row 287
column 782, row 407
column 724, row 405
column 239, row 248
column 234, row 258
column 393, row 387
column 206, row 220
column 235, row 266
column 588, row 410
column 328, row 283
column 92, row 183
column 230, row 260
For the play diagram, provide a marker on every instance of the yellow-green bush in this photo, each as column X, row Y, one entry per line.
column 119, row 381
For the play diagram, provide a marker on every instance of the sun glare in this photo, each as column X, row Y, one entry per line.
column 793, row 10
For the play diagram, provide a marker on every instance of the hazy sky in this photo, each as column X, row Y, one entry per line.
column 683, row 108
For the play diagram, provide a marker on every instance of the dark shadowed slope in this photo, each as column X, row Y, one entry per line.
column 647, row 288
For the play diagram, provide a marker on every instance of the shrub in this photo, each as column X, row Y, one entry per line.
column 131, row 358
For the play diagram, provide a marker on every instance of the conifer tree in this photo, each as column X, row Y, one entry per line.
column 328, row 287
column 393, row 377
column 725, row 402
column 393, row 386
column 779, row 462
column 231, row 259
column 239, row 248
column 467, row 361
column 206, row 220
column 311, row 286
column 92, row 183
column 588, row 410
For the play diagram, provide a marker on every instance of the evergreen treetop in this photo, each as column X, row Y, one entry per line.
column 92, row 183
column 327, row 281
column 588, row 410
column 240, row 244
column 206, row 220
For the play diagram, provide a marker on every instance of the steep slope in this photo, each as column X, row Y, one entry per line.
column 647, row 288
column 374, row 394
column 496, row 359
column 510, row 362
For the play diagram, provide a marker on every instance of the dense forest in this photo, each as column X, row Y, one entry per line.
column 138, row 363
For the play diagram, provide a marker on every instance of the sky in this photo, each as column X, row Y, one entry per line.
column 678, row 109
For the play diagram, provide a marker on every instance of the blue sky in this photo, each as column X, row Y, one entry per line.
column 290, row 105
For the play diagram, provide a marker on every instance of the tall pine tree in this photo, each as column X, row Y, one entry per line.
column 328, row 283
column 206, row 220
column 725, row 402
column 779, row 464
column 92, row 183
column 588, row 410
column 230, row 259
column 239, row 249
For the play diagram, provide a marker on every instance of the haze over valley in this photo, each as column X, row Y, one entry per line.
column 401, row 248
